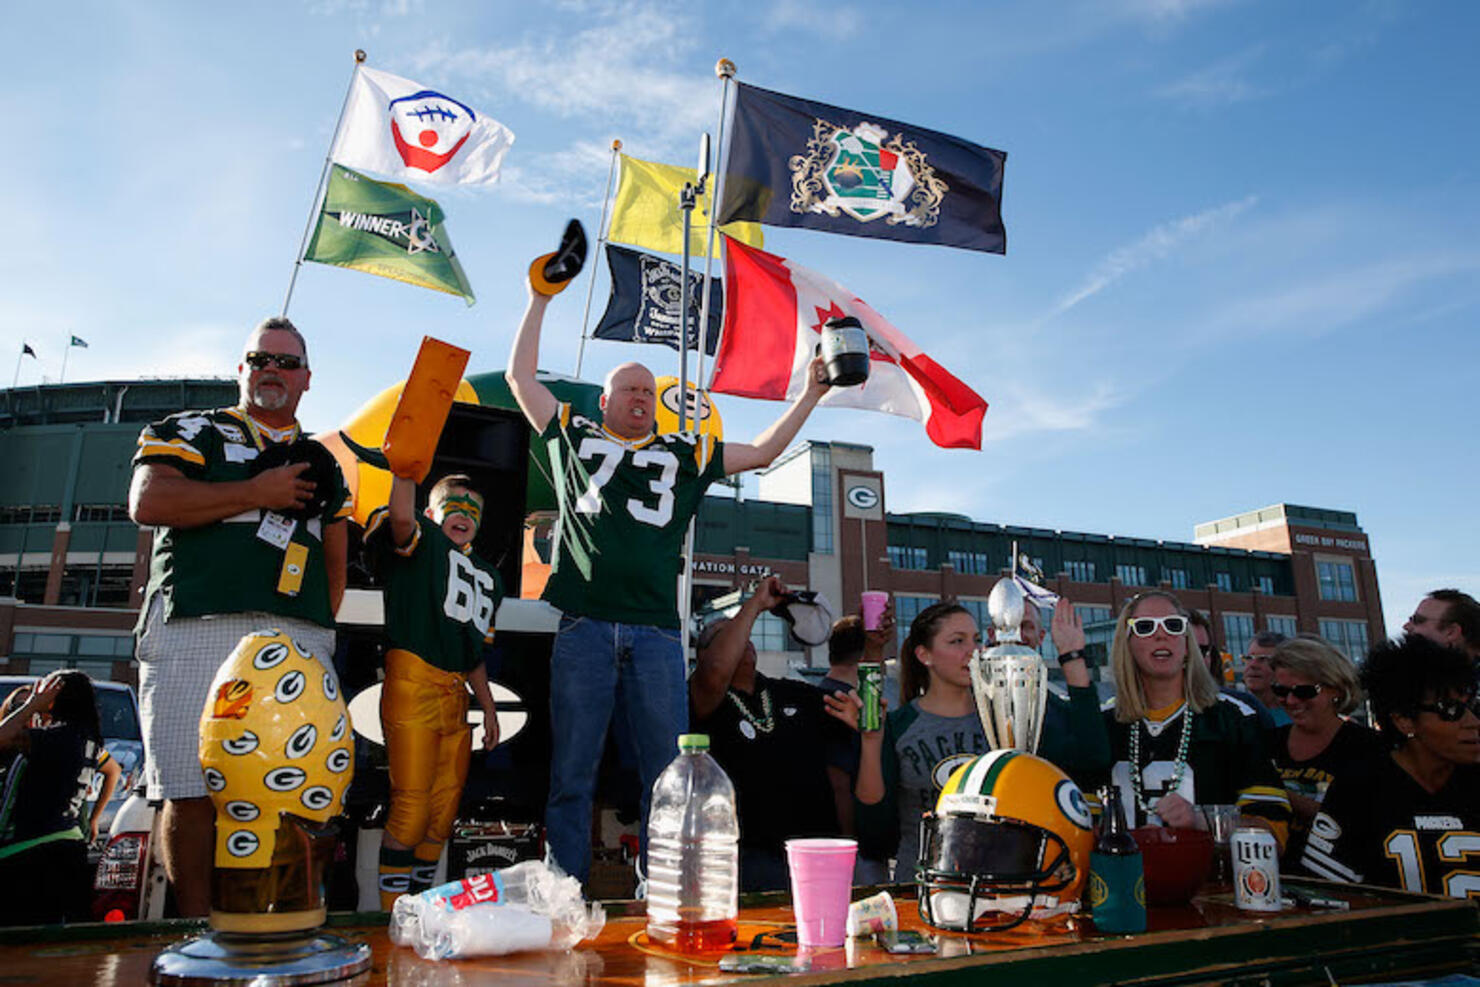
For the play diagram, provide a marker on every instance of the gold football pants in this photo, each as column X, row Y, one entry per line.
column 424, row 714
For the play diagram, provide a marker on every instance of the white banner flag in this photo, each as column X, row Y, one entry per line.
column 399, row 128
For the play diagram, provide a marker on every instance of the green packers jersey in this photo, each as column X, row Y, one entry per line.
column 624, row 509
column 439, row 600
column 234, row 565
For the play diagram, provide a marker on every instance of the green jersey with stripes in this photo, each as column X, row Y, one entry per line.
column 625, row 506
column 439, row 599
column 234, row 565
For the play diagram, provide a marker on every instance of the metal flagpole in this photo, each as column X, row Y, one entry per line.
column 313, row 211
column 66, row 352
column 725, row 69
column 16, row 380
column 600, row 239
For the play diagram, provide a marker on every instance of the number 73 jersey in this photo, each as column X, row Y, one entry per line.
column 1381, row 827
column 624, row 509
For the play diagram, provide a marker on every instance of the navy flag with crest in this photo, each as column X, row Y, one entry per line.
column 794, row 162
column 643, row 307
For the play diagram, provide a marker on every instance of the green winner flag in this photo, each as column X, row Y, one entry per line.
column 386, row 229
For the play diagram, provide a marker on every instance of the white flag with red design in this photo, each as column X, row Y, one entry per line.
column 393, row 126
column 775, row 310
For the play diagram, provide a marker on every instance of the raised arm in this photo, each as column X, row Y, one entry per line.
column 740, row 457
column 717, row 662
column 162, row 495
column 534, row 398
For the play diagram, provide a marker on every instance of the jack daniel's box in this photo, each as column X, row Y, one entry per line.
column 480, row 847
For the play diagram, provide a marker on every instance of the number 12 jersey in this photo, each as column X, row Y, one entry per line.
column 624, row 509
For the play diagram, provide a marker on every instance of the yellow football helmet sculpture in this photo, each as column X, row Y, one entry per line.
column 1009, row 840
column 278, row 753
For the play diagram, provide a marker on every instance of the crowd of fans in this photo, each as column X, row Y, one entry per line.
column 1392, row 801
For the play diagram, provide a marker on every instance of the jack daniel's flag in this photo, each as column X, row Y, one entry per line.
column 794, row 162
column 643, row 307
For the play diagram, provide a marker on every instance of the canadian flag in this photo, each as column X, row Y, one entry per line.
column 775, row 310
column 393, row 126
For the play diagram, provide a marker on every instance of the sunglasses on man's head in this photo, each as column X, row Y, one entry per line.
column 1173, row 624
column 1305, row 693
column 1451, row 710
column 258, row 360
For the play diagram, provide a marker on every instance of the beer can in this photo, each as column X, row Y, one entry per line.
column 870, row 689
column 1256, row 869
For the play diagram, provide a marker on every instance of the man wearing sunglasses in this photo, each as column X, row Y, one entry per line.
column 236, row 547
column 1450, row 618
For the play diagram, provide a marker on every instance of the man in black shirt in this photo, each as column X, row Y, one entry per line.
column 770, row 737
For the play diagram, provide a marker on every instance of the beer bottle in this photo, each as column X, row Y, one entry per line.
column 1117, row 884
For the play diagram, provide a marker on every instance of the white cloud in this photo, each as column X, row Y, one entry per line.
column 1154, row 246
column 834, row 23
column 1219, row 84
column 1018, row 409
column 609, row 69
column 1320, row 304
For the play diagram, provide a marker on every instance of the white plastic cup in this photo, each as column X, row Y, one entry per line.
column 873, row 602
column 821, row 884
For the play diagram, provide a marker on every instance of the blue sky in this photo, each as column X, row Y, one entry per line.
column 1241, row 260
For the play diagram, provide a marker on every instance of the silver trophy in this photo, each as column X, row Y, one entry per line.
column 1009, row 679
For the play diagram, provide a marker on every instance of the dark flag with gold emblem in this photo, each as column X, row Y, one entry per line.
column 794, row 162
column 643, row 307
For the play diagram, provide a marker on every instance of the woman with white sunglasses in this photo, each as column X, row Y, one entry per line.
column 1316, row 686
column 1175, row 745
column 1412, row 820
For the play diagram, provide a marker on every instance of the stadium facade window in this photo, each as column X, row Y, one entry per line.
column 1266, row 585
column 1336, row 582
column 908, row 557
column 1347, row 636
column 968, row 563
column 1238, row 632
column 822, row 500
column 1080, row 571
column 1282, row 625
column 770, row 634
column 1131, row 575
column 1224, row 581
column 906, row 608
column 1177, row 577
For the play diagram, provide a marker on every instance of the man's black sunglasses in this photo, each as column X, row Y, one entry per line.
column 258, row 360
column 1451, row 710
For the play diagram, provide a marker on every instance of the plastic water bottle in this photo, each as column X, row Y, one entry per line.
column 693, row 852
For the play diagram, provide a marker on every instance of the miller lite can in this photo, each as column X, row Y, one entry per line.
column 870, row 688
column 1256, row 869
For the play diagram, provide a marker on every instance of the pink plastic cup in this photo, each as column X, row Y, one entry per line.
column 873, row 603
column 821, row 884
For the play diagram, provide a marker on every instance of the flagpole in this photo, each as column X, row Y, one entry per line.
column 66, row 352
column 313, row 211
column 16, row 380
column 725, row 70
column 611, row 169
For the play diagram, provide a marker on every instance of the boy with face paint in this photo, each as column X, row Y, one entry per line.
column 440, row 599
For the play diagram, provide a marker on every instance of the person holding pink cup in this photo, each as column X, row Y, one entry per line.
column 821, row 886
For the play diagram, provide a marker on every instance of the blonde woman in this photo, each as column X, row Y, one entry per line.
column 1316, row 686
column 1174, row 743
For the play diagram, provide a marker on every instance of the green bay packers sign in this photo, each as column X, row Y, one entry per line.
column 794, row 162
column 388, row 230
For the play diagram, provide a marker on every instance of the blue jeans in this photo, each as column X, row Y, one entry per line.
column 598, row 667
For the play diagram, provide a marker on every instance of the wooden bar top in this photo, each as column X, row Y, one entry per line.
column 1384, row 934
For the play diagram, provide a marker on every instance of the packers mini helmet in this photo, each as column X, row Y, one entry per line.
column 275, row 738
column 1009, row 840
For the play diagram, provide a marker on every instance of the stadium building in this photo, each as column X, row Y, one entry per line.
column 73, row 566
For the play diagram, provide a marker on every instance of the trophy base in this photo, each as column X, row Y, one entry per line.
column 223, row 960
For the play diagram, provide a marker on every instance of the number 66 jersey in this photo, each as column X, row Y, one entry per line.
column 1379, row 826
column 624, row 508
